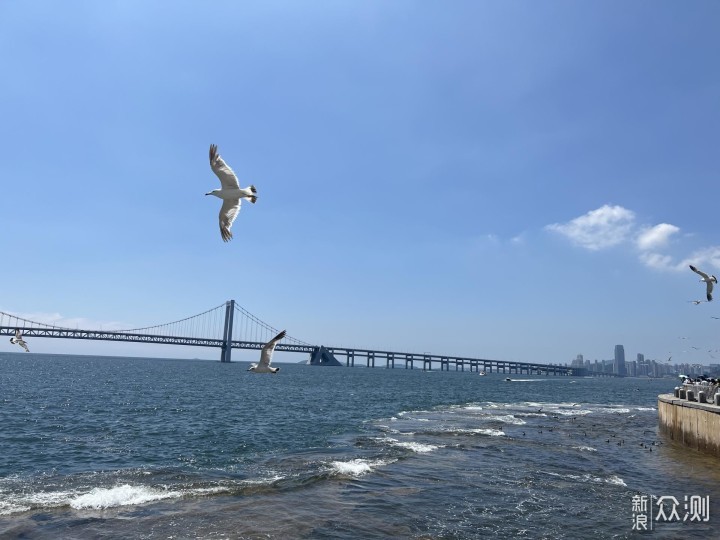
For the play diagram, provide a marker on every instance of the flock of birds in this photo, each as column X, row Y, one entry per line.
column 232, row 195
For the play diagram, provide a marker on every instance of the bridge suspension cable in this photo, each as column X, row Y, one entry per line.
column 247, row 327
column 209, row 324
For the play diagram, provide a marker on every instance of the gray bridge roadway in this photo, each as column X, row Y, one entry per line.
column 223, row 322
column 370, row 358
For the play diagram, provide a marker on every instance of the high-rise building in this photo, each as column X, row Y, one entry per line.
column 619, row 363
column 640, row 357
column 578, row 362
column 632, row 368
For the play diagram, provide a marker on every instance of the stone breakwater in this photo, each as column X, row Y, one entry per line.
column 690, row 422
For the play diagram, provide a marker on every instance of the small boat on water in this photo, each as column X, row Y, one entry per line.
column 482, row 373
column 508, row 379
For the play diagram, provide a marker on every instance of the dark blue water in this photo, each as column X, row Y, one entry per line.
column 147, row 448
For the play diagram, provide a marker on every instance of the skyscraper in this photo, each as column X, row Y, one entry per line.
column 619, row 364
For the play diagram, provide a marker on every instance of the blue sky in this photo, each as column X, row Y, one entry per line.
column 511, row 180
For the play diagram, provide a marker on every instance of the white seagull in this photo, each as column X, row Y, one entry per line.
column 709, row 280
column 696, row 302
column 231, row 193
column 266, row 356
column 18, row 340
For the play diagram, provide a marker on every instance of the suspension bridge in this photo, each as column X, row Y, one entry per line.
column 229, row 326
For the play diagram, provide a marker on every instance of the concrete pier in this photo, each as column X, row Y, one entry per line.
column 694, row 424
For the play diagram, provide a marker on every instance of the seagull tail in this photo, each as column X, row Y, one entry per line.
column 254, row 197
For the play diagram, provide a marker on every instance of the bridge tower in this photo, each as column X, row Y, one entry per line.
column 226, row 351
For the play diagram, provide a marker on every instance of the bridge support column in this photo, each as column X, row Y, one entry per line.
column 226, row 351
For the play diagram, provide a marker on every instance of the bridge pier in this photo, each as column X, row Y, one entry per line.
column 226, row 350
column 390, row 359
column 370, row 359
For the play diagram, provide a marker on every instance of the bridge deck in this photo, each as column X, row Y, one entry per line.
column 390, row 357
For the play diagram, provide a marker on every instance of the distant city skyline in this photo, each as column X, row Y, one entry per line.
column 642, row 367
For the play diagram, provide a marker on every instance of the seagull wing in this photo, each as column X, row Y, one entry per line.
column 228, row 212
column 222, row 171
column 709, row 289
column 18, row 334
column 701, row 273
column 269, row 348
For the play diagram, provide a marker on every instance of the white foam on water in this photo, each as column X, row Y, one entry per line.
column 616, row 411
column 356, row 467
column 258, row 481
column 645, row 409
column 481, row 431
column 585, row 448
column 7, row 508
column 416, row 446
column 124, row 495
column 28, row 501
column 615, row 480
column 506, row 419
column 571, row 412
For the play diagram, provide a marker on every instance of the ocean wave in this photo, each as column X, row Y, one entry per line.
column 479, row 431
column 506, row 419
column 121, row 494
column 614, row 479
column 124, row 495
column 613, row 410
column 416, row 446
column 356, row 467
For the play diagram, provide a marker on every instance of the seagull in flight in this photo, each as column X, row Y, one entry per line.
column 266, row 356
column 18, row 340
column 231, row 193
column 709, row 280
column 696, row 302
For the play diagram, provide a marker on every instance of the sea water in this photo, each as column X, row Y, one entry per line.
column 97, row 447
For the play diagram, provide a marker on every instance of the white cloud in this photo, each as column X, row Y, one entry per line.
column 656, row 237
column 598, row 229
column 706, row 257
column 610, row 226
column 658, row 261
